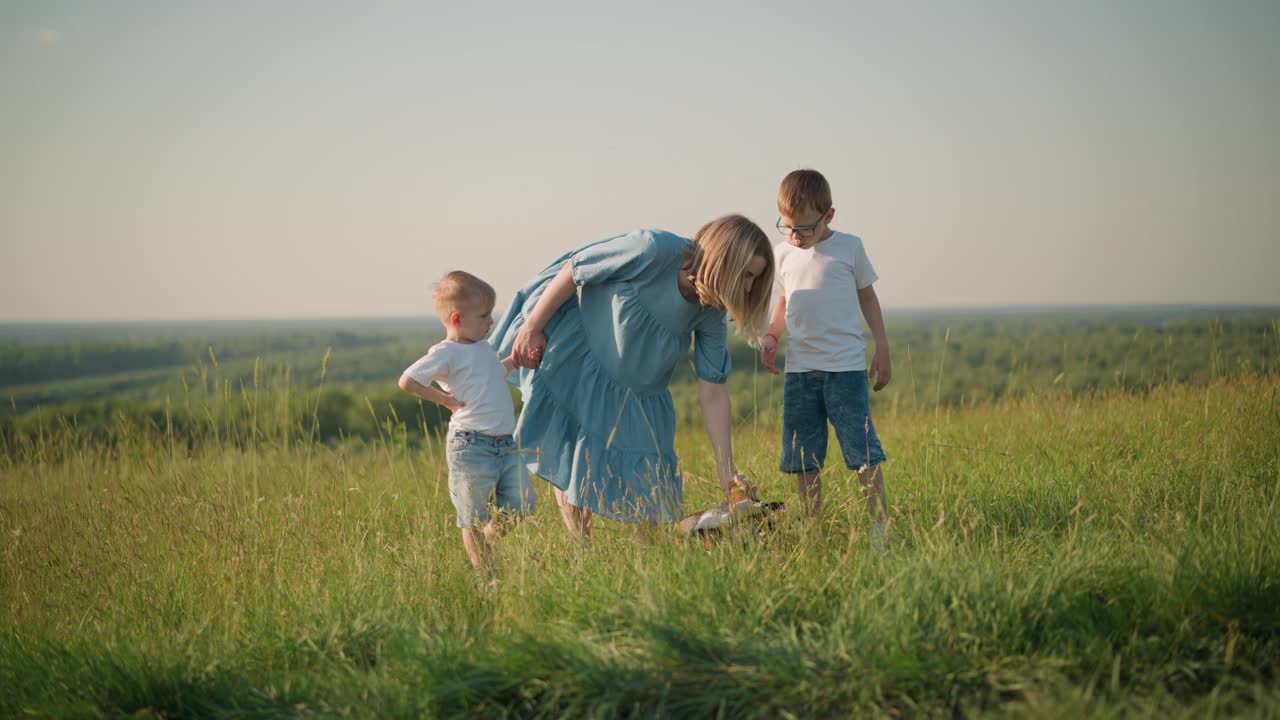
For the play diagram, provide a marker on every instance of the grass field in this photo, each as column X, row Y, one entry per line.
column 1054, row 554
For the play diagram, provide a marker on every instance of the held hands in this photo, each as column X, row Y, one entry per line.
column 528, row 347
column 769, row 353
column 880, row 371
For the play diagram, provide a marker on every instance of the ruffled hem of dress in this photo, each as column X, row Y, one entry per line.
column 636, row 484
column 582, row 422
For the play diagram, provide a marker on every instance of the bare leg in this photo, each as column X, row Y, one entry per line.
column 809, row 487
column 478, row 550
column 576, row 519
column 481, row 543
column 872, row 480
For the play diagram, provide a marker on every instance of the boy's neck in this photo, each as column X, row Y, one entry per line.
column 452, row 335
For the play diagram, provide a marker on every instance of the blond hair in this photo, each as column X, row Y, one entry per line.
column 803, row 190
column 457, row 287
column 717, row 266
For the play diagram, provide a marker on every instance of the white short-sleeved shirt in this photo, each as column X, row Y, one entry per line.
column 472, row 373
column 824, row 319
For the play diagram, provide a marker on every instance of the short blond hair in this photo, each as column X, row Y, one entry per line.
column 458, row 287
column 722, row 249
column 803, row 190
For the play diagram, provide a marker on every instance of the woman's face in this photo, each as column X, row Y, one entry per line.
column 754, row 269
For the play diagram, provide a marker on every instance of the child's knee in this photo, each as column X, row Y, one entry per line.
column 867, row 474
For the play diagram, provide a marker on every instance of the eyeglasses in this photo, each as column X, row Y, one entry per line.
column 803, row 232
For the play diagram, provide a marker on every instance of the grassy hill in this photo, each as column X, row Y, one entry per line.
column 1055, row 555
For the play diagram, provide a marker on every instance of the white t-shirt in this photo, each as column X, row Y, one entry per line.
column 472, row 373
column 824, row 319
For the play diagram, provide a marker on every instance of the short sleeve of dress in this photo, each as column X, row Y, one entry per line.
column 616, row 259
column 711, row 348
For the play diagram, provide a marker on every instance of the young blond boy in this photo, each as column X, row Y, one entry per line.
column 823, row 286
column 485, row 468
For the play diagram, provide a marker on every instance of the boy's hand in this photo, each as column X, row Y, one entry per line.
column 508, row 364
column 430, row 393
column 769, row 353
column 880, row 371
column 451, row 402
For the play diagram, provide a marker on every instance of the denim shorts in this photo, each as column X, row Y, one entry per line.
column 486, row 471
column 809, row 400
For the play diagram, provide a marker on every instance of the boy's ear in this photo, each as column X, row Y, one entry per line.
column 455, row 318
column 831, row 215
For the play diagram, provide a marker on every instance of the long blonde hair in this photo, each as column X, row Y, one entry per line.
column 717, row 267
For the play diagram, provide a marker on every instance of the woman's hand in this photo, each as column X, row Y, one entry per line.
column 529, row 345
column 531, row 342
column 748, row 488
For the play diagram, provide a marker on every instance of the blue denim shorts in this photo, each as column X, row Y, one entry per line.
column 809, row 400
column 486, row 471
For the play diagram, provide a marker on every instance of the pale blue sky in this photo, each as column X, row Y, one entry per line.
column 308, row 159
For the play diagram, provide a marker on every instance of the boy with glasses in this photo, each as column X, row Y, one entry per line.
column 823, row 289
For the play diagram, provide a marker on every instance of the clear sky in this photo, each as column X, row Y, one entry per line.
column 184, row 160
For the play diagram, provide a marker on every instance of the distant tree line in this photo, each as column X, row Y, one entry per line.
column 326, row 387
column 25, row 364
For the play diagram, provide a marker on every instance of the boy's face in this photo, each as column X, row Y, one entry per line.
column 471, row 320
column 806, row 228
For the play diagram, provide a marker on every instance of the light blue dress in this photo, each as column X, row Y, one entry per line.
column 597, row 409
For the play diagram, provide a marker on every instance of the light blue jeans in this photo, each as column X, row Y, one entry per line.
column 485, row 472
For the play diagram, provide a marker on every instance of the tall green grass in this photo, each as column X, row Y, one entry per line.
column 1053, row 554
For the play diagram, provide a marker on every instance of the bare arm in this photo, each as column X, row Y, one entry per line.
column 769, row 344
column 530, row 341
column 430, row 394
column 717, row 413
column 880, row 368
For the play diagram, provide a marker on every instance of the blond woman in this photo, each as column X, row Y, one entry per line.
column 597, row 336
